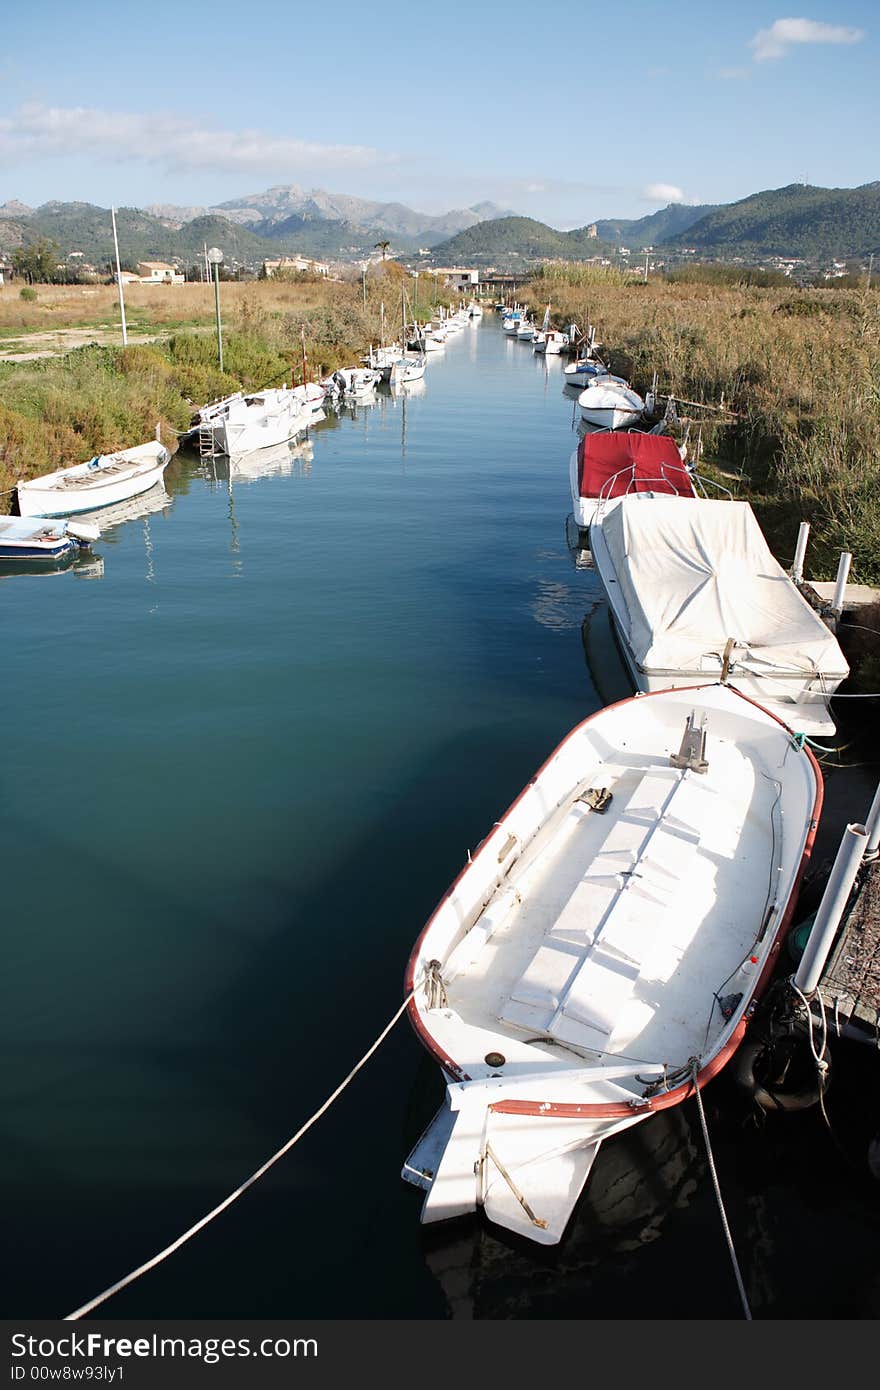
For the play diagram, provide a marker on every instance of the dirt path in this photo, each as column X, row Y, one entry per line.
column 61, row 340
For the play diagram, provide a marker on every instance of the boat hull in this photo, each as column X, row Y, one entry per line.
column 50, row 501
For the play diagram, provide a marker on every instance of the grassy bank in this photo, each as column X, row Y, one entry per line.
column 800, row 369
column 61, row 410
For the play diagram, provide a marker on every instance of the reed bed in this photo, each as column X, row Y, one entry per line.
column 798, row 368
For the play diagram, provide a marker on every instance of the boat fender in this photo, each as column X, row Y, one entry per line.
column 769, row 1048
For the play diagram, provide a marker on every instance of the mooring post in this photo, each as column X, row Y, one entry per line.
column 872, row 825
column 831, row 908
column 797, row 569
column 840, row 583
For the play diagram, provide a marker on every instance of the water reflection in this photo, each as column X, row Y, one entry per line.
column 641, row 1179
column 158, row 499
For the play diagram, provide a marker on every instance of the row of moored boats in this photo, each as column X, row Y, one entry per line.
column 56, row 523
column 599, row 957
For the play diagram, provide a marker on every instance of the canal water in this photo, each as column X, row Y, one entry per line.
column 246, row 752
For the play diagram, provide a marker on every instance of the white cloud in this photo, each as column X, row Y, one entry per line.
column 783, row 34
column 176, row 143
column 663, row 193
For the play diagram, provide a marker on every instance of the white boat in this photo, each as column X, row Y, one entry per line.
column 526, row 331
column 511, row 321
column 406, row 369
column 695, row 591
column 599, row 954
column 608, row 464
column 611, row 404
column 30, row 541
column 382, row 359
column 86, row 487
column 585, row 372
column 552, row 343
column 356, row 381
column 240, row 424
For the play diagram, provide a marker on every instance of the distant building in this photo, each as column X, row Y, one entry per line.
column 592, row 230
column 295, row 265
column 5, row 273
column 159, row 273
column 456, row 277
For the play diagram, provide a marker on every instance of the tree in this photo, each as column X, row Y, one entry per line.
column 382, row 246
column 37, row 261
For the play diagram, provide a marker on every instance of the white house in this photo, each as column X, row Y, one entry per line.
column 295, row 264
column 159, row 273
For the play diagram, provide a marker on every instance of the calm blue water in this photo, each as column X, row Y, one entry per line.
column 241, row 767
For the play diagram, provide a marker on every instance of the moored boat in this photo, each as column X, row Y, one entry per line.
column 696, row 591
column 100, row 482
column 607, row 464
column 551, row 342
column 240, row 424
column 38, row 541
column 611, row 404
column 597, row 958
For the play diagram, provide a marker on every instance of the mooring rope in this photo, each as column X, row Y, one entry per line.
column 747, row 1312
column 248, row 1182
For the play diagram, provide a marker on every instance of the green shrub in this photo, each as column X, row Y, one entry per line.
column 28, row 294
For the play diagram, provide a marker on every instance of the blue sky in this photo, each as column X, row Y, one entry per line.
column 561, row 112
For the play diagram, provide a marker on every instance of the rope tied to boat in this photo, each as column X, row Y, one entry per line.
column 157, row 1259
column 435, row 989
column 747, row 1312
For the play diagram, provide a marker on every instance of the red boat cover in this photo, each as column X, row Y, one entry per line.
column 635, row 461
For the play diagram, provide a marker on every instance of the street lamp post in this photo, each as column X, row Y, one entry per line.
column 215, row 257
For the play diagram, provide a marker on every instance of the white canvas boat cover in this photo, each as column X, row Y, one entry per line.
column 693, row 576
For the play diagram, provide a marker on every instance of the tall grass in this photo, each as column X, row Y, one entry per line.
column 799, row 369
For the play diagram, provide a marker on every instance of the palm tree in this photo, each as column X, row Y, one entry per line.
column 383, row 246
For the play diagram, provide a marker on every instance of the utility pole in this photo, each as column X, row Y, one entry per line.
column 215, row 256
column 119, row 280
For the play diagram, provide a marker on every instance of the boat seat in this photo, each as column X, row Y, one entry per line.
column 580, row 979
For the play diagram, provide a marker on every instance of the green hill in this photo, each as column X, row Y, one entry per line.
column 656, row 228
column 811, row 223
column 517, row 241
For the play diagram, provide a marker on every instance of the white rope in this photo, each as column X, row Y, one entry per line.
column 739, row 1281
column 249, row 1182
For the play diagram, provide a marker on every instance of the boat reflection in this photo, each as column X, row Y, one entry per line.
column 640, row 1180
column 82, row 566
column 158, row 499
column 280, row 461
column 602, row 654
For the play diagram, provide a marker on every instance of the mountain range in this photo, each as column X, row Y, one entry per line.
column 798, row 221
column 814, row 224
column 282, row 220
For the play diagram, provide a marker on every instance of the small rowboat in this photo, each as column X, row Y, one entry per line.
column 35, row 541
column 105, row 479
column 599, row 956
column 610, row 404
